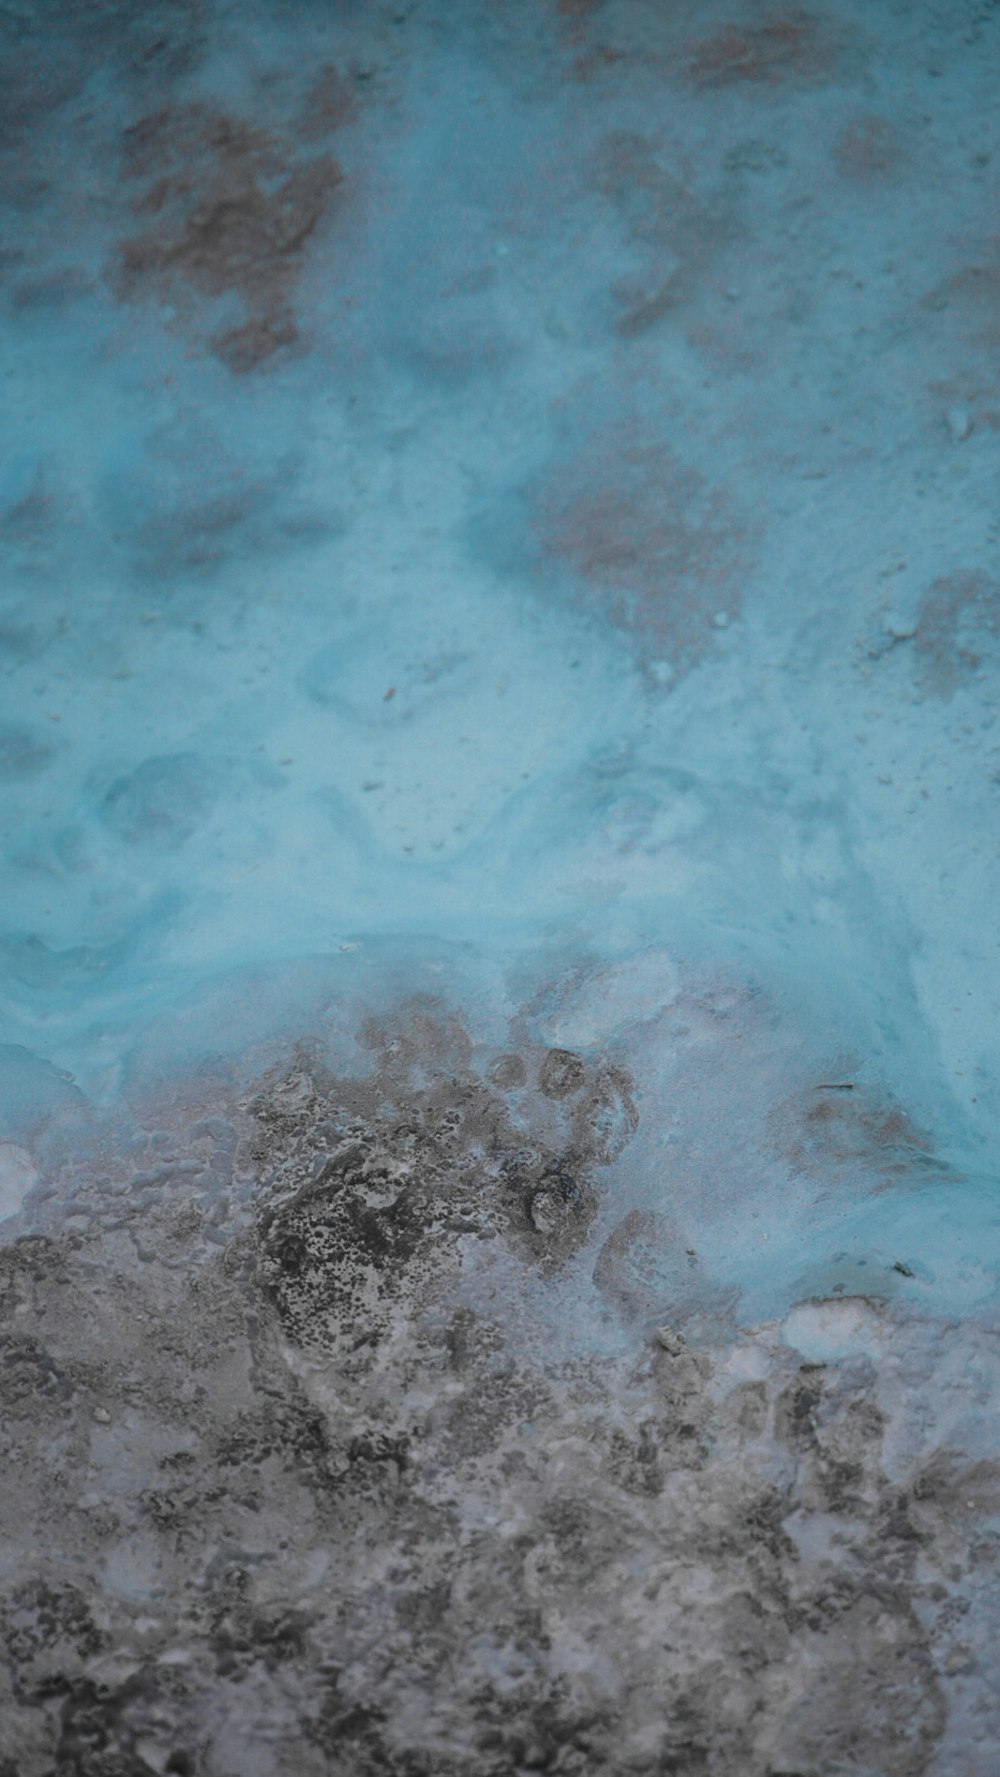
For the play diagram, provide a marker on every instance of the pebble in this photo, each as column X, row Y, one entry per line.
column 898, row 626
column 959, row 423
column 672, row 1342
column 547, row 1212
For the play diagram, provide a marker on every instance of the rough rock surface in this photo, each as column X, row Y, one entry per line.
column 300, row 1488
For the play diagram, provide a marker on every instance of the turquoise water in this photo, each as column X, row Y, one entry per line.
column 498, row 513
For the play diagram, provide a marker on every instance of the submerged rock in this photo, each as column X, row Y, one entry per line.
column 304, row 1486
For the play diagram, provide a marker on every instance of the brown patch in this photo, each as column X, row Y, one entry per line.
column 651, row 200
column 50, row 290
column 591, row 59
column 962, row 315
column 785, row 47
column 561, row 1074
column 574, row 18
column 244, row 348
column 330, row 103
column 508, row 1073
column 652, row 544
column 642, row 309
column 823, row 1128
column 664, row 222
column 973, row 293
column 594, row 61
column 867, row 150
column 958, row 627
column 230, row 214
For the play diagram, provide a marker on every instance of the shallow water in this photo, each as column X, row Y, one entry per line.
column 499, row 622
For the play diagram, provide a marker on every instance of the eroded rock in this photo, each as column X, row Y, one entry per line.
column 297, row 1492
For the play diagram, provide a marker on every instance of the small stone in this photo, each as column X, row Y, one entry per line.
column 102, row 1415
column 507, row 1072
column 959, row 423
column 670, row 1341
column 562, row 1074
column 547, row 1212
column 899, row 627
column 721, row 619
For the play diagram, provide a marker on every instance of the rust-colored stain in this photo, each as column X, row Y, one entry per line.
column 593, row 62
column 590, row 58
column 783, row 47
column 675, row 236
column 225, row 209
column 574, row 18
column 818, row 1130
column 972, row 295
column 958, row 628
column 330, row 103
column 648, row 540
column 653, row 201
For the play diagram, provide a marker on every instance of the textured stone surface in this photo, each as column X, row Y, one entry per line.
column 294, row 1491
